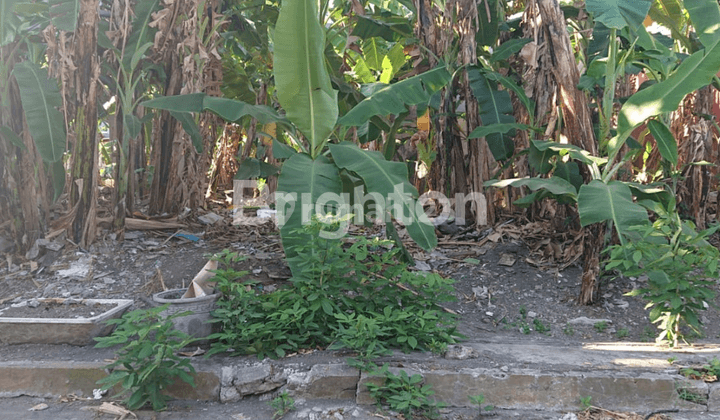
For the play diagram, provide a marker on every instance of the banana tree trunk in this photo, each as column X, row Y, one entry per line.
column 85, row 153
column 553, row 75
column 22, row 196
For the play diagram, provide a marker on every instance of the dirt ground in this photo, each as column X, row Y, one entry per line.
column 513, row 280
column 510, row 280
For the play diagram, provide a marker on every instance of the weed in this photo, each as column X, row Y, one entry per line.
column 600, row 326
column 282, row 404
column 622, row 333
column 569, row 330
column 479, row 400
column 671, row 360
column 585, row 402
column 404, row 393
column 647, row 335
column 523, row 312
column 148, row 363
column 359, row 297
column 708, row 372
column 687, row 394
column 525, row 328
column 681, row 266
column 541, row 327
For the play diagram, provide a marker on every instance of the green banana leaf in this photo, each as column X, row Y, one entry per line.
column 705, row 17
column 487, row 31
column 41, row 102
column 600, row 202
column 384, row 177
column 57, row 173
column 670, row 14
column 188, row 124
column 9, row 135
column 228, row 109
column 301, row 182
column 392, row 62
column 555, row 185
column 508, row 48
column 665, row 141
column 142, row 33
column 373, row 53
column 302, row 81
column 395, row 98
column 495, row 109
column 64, row 14
column 619, row 13
column 282, row 150
column 253, row 168
column 693, row 73
column 386, row 27
column 8, row 21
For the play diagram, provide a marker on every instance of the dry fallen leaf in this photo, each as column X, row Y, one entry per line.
column 111, row 409
column 39, row 407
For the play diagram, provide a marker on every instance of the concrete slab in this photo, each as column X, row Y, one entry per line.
column 512, row 375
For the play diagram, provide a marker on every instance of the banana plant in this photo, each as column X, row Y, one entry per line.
column 314, row 173
column 604, row 198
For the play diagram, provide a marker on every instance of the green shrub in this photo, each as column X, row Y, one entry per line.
column 681, row 267
column 356, row 295
column 147, row 363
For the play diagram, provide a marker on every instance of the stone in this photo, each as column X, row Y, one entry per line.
column 583, row 320
column 458, row 352
column 325, row 381
column 210, row 218
column 714, row 397
column 569, row 416
column 422, row 266
column 229, row 395
column 257, row 379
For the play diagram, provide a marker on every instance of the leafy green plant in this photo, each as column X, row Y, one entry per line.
column 622, row 333
column 708, row 372
column 585, row 402
column 600, row 326
column 147, row 362
column 648, row 334
column 680, row 265
column 479, row 400
column 540, row 326
column 569, row 330
column 687, row 393
column 404, row 393
column 358, row 296
column 282, row 404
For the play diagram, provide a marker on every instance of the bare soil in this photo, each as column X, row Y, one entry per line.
column 513, row 280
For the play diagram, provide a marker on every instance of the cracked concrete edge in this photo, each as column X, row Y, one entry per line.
column 505, row 389
column 532, row 389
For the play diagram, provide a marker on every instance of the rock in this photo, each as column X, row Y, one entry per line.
column 507, row 260
column 583, row 320
column 210, row 218
column 229, row 395
column 422, row 266
column 532, row 314
column 33, row 303
column 569, row 416
column 458, row 352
